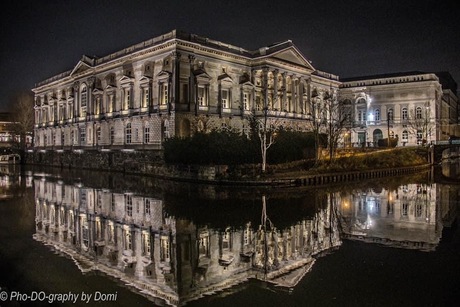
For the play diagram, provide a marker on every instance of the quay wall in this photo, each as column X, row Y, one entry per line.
column 151, row 163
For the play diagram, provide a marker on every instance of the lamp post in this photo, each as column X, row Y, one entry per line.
column 388, row 127
column 427, row 121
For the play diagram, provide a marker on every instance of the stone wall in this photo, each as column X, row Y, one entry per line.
column 147, row 162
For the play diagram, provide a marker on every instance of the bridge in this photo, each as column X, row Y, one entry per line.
column 437, row 149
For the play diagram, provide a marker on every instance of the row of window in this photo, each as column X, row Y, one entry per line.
column 131, row 135
column 375, row 115
column 63, row 112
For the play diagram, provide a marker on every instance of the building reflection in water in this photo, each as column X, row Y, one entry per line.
column 412, row 216
column 132, row 237
column 12, row 185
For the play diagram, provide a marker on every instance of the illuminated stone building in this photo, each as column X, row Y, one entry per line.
column 415, row 107
column 174, row 84
column 178, row 83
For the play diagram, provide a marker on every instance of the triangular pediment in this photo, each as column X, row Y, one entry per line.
column 126, row 79
column 291, row 55
column 145, row 79
column 225, row 78
column 201, row 73
column 109, row 88
column 163, row 74
column 84, row 64
column 203, row 76
column 247, row 84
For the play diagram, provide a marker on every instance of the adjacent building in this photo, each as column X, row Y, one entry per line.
column 178, row 84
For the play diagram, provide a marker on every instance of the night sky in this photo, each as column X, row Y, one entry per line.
column 40, row 39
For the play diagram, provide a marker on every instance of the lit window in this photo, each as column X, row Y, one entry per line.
column 97, row 107
column 202, row 101
column 83, row 98
column 246, row 101
column 405, row 136
column 127, row 99
column 164, row 93
column 418, row 113
column 145, row 101
column 224, row 99
column 83, row 101
column 164, row 248
column 419, row 137
column 377, row 114
column 404, row 113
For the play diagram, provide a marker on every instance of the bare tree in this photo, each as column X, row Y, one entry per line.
column 419, row 123
column 330, row 118
column 22, row 116
column 265, row 132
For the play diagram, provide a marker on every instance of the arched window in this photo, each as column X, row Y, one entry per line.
column 377, row 114
column 377, row 135
column 404, row 113
column 418, row 113
column 405, row 136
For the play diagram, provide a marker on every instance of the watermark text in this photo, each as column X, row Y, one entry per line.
column 69, row 297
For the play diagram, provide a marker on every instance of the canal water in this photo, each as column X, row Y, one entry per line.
column 71, row 238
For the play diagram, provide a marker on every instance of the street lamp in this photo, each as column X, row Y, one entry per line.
column 388, row 127
column 427, row 120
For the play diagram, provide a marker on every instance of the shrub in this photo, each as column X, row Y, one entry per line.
column 232, row 148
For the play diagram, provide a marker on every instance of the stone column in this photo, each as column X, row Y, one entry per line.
column 265, row 84
column 137, row 248
column 192, row 86
column 292, row 107
column 300, row 95
column 242, row 100
column 253, row 95
column 76, row 94
column 89, row 103
column 175, row 82
column 283, row 101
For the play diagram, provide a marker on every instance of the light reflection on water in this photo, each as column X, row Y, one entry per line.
column 179, row 243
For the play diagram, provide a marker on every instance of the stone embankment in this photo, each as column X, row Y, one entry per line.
column 150, row 164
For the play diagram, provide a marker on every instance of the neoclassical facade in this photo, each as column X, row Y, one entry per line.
column 178, row 84
column 415, row 107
